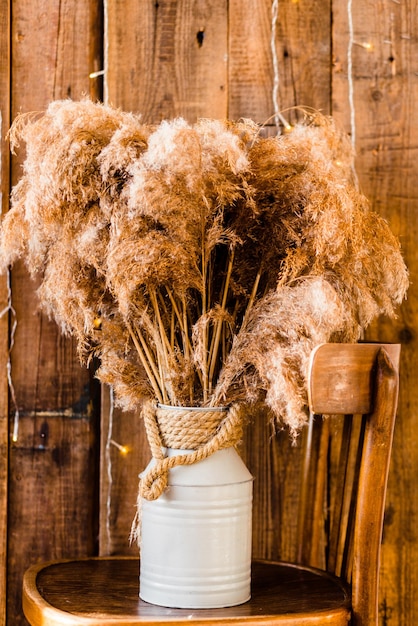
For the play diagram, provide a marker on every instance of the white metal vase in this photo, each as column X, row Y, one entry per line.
column 195, row 547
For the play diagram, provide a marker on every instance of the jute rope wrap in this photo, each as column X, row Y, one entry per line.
column 204, row 432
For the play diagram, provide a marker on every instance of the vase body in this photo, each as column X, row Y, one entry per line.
column 196, row 537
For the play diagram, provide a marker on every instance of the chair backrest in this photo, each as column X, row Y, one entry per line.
column 346, row 462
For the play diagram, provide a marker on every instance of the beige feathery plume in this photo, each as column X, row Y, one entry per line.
column 200, row 263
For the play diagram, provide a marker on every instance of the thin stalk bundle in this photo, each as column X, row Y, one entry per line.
column 200, row 263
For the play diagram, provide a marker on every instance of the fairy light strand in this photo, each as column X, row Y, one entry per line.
column 350, row 72
column 122, row 449
column 108, row 455
column 109, row 471
column 278, row 117
column 275, row 94
column 368, row 46
column 10, row 310
column 105, row 51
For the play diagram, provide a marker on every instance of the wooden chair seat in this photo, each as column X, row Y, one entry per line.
column 104, row 591
column 358, row 383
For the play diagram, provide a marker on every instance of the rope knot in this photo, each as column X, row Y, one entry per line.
column 202, row 430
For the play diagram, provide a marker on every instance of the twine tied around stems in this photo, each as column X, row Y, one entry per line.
column 204, row 432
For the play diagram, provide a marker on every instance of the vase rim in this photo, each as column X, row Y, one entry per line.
column 192, row 408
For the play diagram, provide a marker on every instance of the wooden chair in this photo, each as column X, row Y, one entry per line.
column 357, row 381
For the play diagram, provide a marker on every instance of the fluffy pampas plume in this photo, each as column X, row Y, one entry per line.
column 200, row 263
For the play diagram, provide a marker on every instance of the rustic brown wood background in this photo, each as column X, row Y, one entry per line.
column 65, row 488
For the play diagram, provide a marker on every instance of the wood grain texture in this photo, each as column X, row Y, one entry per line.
column 256, row 35
column 372, row 484
column 384, row 93
column 52, row 462
column 105, row 591
column 357, row 379
column 51, row 487
column 350, row 390
column 5, row 17
column 171, row 61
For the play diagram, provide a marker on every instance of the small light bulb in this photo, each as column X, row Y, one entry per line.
column 124, row 450
column 367, row 45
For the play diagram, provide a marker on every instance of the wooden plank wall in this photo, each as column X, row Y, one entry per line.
column 356, row 59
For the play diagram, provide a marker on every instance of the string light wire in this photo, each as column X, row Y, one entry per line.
column 105, row 50
column 350, row 72
column 108, row 454
column 10, row 310
column 278, row 117
column 109, row 471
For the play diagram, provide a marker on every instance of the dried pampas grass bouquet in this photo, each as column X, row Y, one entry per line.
column 200, row 263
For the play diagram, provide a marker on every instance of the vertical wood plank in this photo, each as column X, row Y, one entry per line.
column 250, row 71
column 375, row 92
column 266, row 52
column 171, row 61
column 52, row 463
column 5, row 17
